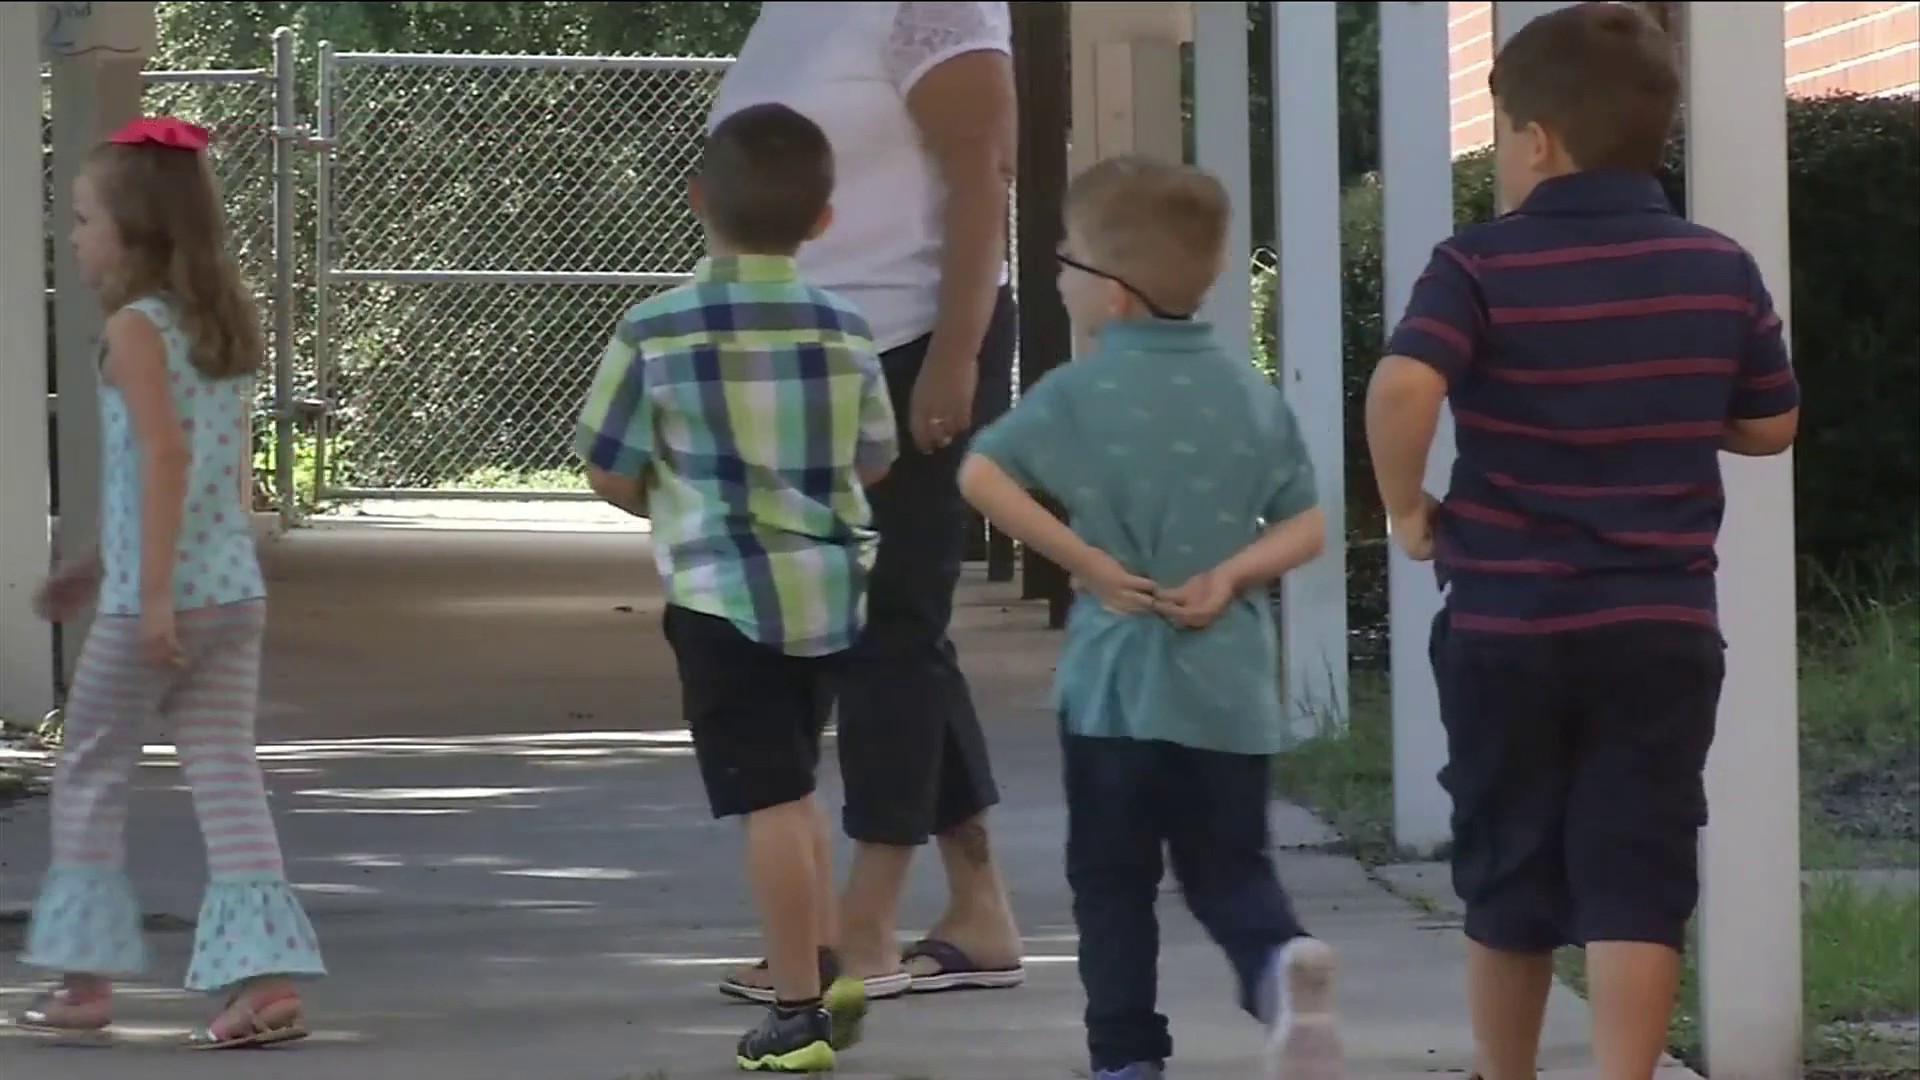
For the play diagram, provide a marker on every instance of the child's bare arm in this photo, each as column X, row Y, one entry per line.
column 1202, row 599
column 1001, row 500
column 615, row 433
column 627, row 493
column 136, row 365
column 1762, row 436
column 1027, row 448
column 1294, row 542
column 1296, row 532
column 1403, row 413
column 1436, row 342
column 1764, row 417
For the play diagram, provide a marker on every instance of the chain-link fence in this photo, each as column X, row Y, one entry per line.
column 243, row 110
column 1264, row 265
column 483, row 222
column 238, row 108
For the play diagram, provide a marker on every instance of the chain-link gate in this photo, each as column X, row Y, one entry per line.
column 483, row 221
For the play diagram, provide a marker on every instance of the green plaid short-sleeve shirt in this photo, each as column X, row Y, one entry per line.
column 745, row 401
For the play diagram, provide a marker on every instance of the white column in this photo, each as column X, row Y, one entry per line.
column 1126, row 80
column 1306, row 138
column 96, row 88
column 1222, row 146
column 1416, row 159
column 1416, row 162
column 1750, row 918
column 26, row 643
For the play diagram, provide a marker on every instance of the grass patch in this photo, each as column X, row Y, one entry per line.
column 1859, row 746
column 1861, row 953
column 1860, row 782
column 1860, row 734
column 492, row 478
column 1347, row 777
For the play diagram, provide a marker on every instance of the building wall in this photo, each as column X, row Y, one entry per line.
column 1470, row 58
column 1832, row 47
column 1853, row 48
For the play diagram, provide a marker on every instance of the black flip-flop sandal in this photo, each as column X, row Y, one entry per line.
column 957, row 970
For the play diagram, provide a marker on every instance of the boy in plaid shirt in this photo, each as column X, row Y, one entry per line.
column 744, row 413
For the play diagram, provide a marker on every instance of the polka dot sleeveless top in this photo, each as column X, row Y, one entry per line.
column 217, row 562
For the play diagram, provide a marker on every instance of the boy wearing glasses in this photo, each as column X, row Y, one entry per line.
column 1188, row 492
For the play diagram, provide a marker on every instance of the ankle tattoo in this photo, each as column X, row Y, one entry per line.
column 971, row 841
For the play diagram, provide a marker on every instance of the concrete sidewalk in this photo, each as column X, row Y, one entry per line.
column 474, row 751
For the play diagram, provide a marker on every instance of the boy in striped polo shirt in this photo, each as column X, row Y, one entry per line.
column 1600, row 352
column 745, row 413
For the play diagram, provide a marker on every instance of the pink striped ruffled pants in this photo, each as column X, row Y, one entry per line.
column 209, row 705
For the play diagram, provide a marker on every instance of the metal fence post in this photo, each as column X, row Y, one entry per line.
column 323, row 268
column 285, row 144
column 1042, row 49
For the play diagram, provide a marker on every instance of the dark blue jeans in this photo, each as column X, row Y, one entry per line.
column 1126, row 801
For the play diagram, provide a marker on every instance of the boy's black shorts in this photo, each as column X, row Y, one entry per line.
column 1576, row 762
column 756, row 713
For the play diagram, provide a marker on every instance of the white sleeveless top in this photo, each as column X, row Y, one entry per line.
column 848, row 66
column 216, row 560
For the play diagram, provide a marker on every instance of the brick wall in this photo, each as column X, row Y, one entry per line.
column 1832, row 47
column 1859, row 48
column 1470, row 57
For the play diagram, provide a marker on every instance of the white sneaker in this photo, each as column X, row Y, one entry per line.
column 1304, row 1040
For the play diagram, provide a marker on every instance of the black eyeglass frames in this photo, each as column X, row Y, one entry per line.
column 1153, row 309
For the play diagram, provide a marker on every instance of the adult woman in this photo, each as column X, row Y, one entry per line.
column 918, row 100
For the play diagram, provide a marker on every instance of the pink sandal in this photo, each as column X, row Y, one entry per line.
column 61, row 1011
column 263, row 1020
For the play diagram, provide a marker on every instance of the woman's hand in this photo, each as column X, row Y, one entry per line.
column 966, row 112
column 942, row 406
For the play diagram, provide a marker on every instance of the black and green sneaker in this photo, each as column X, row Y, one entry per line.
column 846, row 1004
column 789, row 1042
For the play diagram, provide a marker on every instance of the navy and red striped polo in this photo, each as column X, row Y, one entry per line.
column 1595, row 344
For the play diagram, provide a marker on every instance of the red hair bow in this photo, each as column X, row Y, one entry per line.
column 162, row 131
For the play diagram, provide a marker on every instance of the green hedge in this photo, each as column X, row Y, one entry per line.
column 1854, row 170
